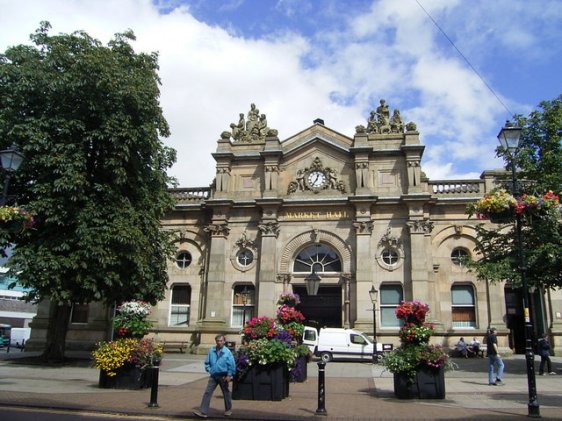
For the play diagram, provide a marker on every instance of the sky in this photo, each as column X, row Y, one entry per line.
column 457, row 68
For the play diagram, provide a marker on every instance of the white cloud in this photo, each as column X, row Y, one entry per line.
column 211, row 74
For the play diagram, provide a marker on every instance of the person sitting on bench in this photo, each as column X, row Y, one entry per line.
column 462, row 347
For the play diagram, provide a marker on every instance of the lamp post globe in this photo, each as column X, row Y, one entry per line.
column 11, row 160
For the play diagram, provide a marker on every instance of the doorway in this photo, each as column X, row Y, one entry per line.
column 323, row 309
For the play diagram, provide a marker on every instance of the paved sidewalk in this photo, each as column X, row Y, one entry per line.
column 354, row 391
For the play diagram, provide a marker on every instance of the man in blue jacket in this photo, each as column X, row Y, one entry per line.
column 222, row 368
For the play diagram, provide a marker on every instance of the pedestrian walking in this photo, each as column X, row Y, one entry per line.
column 544, row 352
column 221, row 367
column 494, row 359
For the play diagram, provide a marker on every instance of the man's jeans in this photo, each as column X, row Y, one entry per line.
column 211, row 386
column 494, row 359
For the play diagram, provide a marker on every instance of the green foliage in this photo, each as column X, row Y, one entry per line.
column 88, row 120
column 539, row 160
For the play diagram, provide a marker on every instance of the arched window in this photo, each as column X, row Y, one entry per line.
column 391, row 296
column 180, row 305
column 463, row 308
column 318, row 257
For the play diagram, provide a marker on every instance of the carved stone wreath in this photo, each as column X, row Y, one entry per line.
column 316, row 178
column 393, row 246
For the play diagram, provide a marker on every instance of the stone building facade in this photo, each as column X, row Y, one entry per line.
column 358, row 211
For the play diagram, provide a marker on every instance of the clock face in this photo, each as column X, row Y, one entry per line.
column 316, row 179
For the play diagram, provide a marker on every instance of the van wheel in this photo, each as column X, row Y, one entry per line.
column 326, row 357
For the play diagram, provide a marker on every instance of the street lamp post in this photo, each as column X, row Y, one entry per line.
column 11, row 160
column 509, row 137
column 373, row 293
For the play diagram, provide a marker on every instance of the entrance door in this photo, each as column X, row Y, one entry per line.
column 323, row 309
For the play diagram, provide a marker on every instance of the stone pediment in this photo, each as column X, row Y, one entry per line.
column 317, row 133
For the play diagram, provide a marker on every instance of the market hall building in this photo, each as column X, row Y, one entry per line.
column 357, row 210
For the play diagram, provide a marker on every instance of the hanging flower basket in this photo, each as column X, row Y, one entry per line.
column 501, row 217
column 15, row 220
column 501, row 207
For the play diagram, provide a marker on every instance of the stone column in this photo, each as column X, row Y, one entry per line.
column 271, row 176
column 285, row 279
column 419, row 229
column 363, row 274
column 222, row 179
column 267, row 301
column 214, row 312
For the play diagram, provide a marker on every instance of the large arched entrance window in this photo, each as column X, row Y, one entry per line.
column 325, row 308
column 318, row 257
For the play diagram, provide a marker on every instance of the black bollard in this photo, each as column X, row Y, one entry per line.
column 321, row 389
column 154, row 370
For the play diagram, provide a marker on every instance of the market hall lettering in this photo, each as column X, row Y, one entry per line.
column 315, row 215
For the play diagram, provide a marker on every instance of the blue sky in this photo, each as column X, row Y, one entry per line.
column 303, row 59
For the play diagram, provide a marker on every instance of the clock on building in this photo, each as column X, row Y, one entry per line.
column 316, row 179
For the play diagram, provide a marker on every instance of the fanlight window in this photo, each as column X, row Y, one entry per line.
column 318, row 257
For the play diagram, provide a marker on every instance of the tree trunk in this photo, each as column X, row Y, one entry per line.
column 56, row 334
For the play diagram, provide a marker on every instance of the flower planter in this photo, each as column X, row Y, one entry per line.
column 262, row 383
column 429, row 383
column 127, row 377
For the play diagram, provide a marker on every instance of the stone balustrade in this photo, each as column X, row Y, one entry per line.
column 190, row 194
column 456, row 187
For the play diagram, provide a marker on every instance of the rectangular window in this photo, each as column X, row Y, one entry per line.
column 79, row 313
column 390, row 296
column 463, row 309
column 243, row 304
column 180, row 305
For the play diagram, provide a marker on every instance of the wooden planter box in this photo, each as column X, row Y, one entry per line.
column 429, row 383
column 262, row 383
column 127, row 377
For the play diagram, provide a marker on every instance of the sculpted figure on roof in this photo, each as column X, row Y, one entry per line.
column 251, row 129
column 380, row 121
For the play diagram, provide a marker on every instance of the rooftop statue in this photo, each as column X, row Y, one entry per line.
column 251, row 129
column 380, row 121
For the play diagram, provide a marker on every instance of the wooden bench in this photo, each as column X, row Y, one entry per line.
column 180, row 345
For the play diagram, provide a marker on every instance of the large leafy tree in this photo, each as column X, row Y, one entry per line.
column 88, row 120
column 539, row 163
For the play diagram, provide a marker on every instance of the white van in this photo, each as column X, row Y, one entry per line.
column 338, row 343
column 19, row 336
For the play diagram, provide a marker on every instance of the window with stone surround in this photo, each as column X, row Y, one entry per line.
column 391, row 295
column 183, row 259
column 243, row 304
column 459, row 256
column 180, row 306
column 463, row 306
